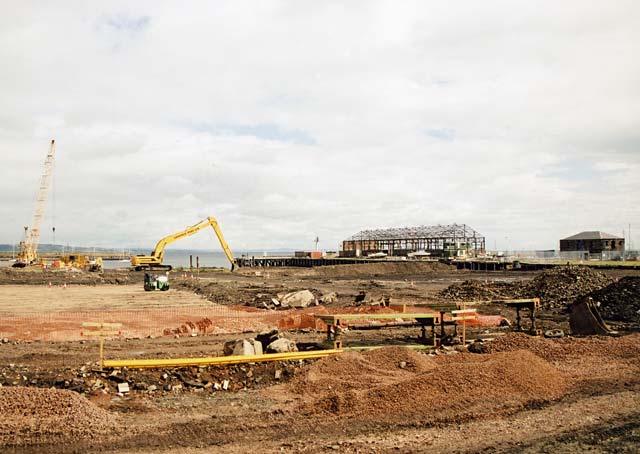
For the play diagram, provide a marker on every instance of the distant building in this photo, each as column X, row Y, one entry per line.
column 449, row 241
column 592, row 242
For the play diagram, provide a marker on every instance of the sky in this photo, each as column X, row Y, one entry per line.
column 287, row 120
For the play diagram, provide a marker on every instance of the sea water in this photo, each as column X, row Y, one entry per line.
column 180, row 258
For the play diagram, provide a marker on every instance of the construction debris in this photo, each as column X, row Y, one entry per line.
column 559, row 287
column 243, row 347
column 620, row 300
column 303, row 298
column 556, row 287
column 282, row 345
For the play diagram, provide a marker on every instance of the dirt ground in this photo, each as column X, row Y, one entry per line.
column 519, row 394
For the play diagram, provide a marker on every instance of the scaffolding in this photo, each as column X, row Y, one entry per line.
column 436, row 240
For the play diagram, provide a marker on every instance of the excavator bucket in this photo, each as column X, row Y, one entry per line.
column 584, row 318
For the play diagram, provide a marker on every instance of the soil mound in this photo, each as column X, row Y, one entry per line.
column 626, row 347
column 382, row 269
column 13, row 276
column 452, row 388
column 353, row 370
column 556, row 287
column 620, row 301
column 479, row 291
column 559, row 287
column 40, row 416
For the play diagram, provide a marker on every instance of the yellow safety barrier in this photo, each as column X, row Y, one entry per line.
column 218, row 360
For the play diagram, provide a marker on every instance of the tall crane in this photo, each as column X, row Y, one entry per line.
column 29, row 246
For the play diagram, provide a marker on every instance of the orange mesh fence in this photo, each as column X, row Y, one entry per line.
column 66, row 326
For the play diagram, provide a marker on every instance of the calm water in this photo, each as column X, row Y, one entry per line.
column 179, row 258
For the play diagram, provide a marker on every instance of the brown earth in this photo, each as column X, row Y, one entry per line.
column 523, row 394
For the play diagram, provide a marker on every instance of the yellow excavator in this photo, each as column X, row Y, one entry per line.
column 154, row 261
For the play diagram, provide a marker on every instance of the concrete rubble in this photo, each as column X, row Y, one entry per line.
column 303, row 298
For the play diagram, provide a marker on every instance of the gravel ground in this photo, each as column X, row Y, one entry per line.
column 32, row 416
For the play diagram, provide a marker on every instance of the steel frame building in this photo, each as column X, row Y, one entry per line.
column 402, row 241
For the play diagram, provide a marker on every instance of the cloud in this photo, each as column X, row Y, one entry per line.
column 290, row 120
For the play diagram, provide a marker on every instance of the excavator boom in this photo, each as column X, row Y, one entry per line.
column 155, row 259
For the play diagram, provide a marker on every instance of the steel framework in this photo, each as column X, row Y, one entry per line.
column 400, row 241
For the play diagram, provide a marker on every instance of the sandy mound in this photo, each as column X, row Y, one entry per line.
column 626, row 347
column 353, row 370
column 451, row 388
column 39, row 416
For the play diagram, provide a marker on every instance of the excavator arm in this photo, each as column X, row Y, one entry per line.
column 156, row 257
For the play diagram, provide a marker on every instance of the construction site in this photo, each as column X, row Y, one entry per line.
column 352, row 356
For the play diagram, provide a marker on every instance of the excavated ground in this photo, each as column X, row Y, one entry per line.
column 519, row 394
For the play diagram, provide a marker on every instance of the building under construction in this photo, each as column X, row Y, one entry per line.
column 447, row 241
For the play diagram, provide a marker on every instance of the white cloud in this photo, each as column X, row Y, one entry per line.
column 287, row 120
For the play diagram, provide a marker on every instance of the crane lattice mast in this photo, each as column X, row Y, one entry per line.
column 30, row 249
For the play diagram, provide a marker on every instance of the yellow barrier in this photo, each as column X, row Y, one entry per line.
column 218, row 360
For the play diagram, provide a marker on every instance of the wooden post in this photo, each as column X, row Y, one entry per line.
column 464, row 327
column 101, row 330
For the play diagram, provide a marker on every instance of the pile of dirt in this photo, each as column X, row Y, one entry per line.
column 556, row 287
column 620, row 301
column 451, row 388
column 565, row 348
column 402, row 268
column 13, row 276
column 353, row 370
column 472, row 290
column 40, row 416
column 561, row 286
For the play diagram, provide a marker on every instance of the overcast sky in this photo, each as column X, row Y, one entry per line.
column 291, row 119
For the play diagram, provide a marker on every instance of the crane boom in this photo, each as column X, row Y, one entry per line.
column 29, row 247
column 155, row 259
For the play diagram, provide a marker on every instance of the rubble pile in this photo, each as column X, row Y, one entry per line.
column 40, row 416
column 620, row 301
column 90, row 382
column 262, row 296
column 473, row 290
column 556, row 287
column 444, row 388
column 561, row 286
